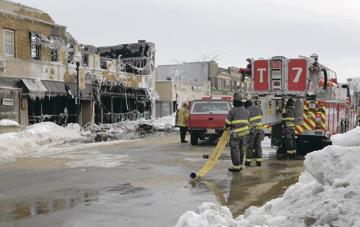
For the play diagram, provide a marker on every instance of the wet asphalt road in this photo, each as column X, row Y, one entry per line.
column 150, row 188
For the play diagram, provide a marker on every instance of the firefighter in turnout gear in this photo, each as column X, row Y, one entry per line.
column 237, row 122
column 288, row 148
column 256, row 134
column 182, row 121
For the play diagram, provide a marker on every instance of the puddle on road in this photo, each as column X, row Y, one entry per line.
column 18, row 209
column 254, row 187
column 241, row 198
column 69, row 198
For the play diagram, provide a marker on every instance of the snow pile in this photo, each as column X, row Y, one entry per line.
column 36, row 140
column 8, row 123
column 13, row 145
column 163, row 124
column 348, row 139
column 208, row 214
column 123, row 129
column 159, row 124
column 327, row 194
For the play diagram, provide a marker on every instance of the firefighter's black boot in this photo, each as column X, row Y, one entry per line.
column 258, row 163
column 235, row 169
column 247, row 163
column 281, row 153
column 291, row 154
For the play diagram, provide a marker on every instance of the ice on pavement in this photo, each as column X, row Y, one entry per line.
column 327, row 194
column 47, row 138
column 95, row 159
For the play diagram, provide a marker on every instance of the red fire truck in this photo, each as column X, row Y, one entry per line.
column 322, row 104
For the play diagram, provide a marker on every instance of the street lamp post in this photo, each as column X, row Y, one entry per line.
column 77, row 92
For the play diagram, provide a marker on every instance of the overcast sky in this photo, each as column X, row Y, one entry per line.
column 228, row 31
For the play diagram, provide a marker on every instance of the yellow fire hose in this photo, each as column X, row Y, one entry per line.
column 214, row 157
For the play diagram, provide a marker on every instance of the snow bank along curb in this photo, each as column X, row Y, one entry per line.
column 35, row 138
column 327, row 194
column 13, row 145
column 8, row 123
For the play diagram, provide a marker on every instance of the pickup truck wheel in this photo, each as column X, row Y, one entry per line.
column 193, row 139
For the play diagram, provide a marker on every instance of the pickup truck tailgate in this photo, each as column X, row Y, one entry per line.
column 205, row 114
column 207, row 121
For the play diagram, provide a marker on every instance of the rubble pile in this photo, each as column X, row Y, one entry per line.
column 128, row 129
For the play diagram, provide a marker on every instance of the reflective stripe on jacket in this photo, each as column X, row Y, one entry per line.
column 238, row 120
column 288, row 116
column 256, row 115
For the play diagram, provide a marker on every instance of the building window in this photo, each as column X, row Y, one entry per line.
column 85, row 59
column 54, row 55
column 35, row 51
column 54, row 46
column 70, row 52
column 219, row 84
column 36, row 41
column 35, row 47
column 9, row 39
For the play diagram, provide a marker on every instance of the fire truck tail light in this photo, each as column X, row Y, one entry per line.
column 318, row 118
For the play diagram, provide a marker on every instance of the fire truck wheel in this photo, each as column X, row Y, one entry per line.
column 194, row 139
column 303, row 147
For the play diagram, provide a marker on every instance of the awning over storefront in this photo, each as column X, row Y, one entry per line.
column 40, row 88
column 9, row 83
column 87, row 93
column 34, row 85
column 55, row 87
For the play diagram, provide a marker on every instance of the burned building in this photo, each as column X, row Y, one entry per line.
column 46, row 75
column 120, row 101
column 137, row 58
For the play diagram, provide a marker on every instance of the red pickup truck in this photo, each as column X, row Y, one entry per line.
column 207, row 118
